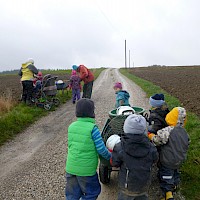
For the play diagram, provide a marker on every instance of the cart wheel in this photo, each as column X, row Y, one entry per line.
column 47, row 106
column 104, row 173
column 56, row 102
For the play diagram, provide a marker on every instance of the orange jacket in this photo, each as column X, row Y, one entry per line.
column 85, row 74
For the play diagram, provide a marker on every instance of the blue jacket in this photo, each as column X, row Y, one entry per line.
column 124, row 96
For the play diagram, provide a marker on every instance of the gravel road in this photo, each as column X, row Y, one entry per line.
column 33, row 164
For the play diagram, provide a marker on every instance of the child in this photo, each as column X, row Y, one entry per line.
column 84, row 145
column 37, row 82
column 75, row 85
column 157, row 113
column 122, row 96
column 174, row 142
column 135, row 155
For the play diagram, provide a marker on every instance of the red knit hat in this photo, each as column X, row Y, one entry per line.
column 73, row 72
column 118, row 85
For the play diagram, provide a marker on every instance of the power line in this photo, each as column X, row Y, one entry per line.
column 108, row 20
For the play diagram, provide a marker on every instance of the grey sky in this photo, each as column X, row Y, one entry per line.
column 60, row 33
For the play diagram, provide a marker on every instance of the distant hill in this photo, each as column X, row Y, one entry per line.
column 10, row 72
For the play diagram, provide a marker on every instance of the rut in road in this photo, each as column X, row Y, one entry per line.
column 33, row 164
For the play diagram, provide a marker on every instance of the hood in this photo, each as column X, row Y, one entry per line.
column 25, row 65
column 176, row 117
column 136, row 145
column 124, row 93
column 163, row 111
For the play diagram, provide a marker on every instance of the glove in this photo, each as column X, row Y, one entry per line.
column 150, row 135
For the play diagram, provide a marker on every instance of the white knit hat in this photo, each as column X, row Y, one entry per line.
column 30, row 60
column 112, row 141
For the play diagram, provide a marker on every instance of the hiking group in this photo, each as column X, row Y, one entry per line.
column 160, row 141
column 31, row 80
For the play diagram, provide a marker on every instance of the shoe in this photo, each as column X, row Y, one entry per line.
column 73, row 102
column 169, row 196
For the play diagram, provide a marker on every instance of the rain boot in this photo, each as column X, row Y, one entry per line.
column 169, row 196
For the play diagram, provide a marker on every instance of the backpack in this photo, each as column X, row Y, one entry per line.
column 174, row 152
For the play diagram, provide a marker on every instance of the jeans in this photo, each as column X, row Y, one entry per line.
column 87, row 90
column 169, row 178
column 84, row 187
column 75, row 94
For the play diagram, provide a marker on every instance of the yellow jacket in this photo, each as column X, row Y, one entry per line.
column 27, row 74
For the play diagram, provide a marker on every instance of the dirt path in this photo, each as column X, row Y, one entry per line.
column 33, row 164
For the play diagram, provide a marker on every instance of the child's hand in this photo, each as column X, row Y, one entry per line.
column 150, row 135
column 69, row 88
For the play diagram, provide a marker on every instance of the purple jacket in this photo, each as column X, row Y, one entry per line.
column 75, row 82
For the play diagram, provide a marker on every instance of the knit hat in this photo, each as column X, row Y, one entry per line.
column 30, row 60
column 176, row 117
column 157, row 100
column 73, row 72
column 118, row 85
column 135, row 124
column 112, row 141
column 85, row 108
column 74, row 67
column 39, row 73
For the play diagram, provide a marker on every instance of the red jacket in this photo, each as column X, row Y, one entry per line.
column 85, row 74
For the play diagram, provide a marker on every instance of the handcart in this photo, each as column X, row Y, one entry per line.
column 113, row 125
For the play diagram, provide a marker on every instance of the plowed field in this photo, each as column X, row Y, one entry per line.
column 181, row 82
column 10, row 84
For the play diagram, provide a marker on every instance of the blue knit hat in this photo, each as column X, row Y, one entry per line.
column 157, row 100
column 74, row 67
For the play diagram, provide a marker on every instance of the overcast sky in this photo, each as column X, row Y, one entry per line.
column 60, row 33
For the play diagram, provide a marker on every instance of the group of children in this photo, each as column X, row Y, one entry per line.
column 163, row 140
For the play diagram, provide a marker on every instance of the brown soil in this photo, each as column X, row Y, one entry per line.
column 10, row 84
column 181, row 82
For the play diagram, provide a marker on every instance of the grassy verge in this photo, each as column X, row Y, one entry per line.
column 190, row 171
column 21, row 116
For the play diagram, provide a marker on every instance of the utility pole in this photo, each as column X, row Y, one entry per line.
column 125, row 54
column 129, row 59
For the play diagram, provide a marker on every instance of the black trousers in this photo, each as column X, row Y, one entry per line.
column 27, row 90
column 87, row 90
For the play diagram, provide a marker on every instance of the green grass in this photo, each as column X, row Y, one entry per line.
column 16, row 120
column 190, row 171
column 21, row 116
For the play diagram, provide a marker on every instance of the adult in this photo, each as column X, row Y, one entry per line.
column 87, row 77
column 27, row 72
